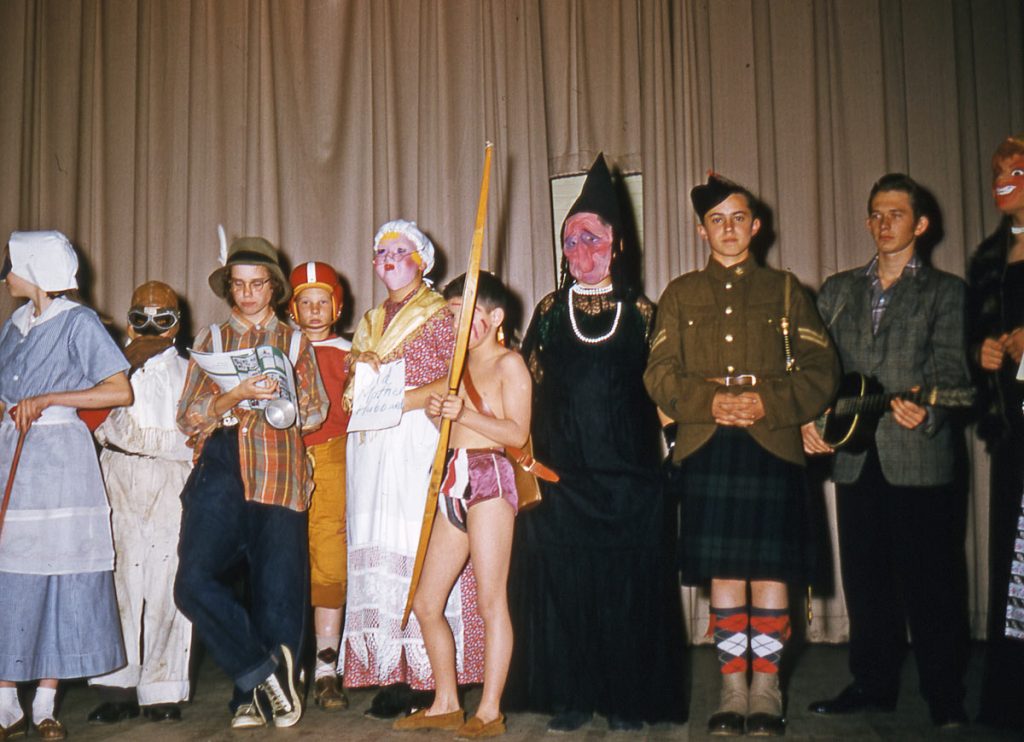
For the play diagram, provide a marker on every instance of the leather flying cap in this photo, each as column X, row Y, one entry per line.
column 708, row 195
column 598, row 197
column 250, row 251
column 154, row 294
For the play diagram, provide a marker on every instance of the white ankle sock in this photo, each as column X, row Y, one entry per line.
column 10, row 710
column 42, row 704
column 325, row 669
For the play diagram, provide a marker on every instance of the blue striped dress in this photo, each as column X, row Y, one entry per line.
column 60, row 615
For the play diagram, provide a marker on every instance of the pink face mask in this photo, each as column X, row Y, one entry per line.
column 1008, row 184
column 397, row 263
column 587, row 245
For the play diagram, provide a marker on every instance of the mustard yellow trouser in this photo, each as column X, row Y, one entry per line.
column 328, row 552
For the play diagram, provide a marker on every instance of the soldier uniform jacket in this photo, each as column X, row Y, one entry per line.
column 720, row 322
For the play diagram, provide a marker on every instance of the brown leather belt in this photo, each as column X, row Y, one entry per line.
column 735, row 380
column 530, row 464
column 521, row 456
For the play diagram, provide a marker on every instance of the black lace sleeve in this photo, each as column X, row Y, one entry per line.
column 646, row 309
column 533, row 341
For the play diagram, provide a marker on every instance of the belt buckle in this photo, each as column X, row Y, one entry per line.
column 741, row 380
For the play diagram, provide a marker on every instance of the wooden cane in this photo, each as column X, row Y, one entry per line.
column 10, row 478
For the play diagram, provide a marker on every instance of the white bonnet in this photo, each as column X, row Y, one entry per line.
column 45, row 259
column 408, row 229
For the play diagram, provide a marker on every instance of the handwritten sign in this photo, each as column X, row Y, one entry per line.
column 378, row 396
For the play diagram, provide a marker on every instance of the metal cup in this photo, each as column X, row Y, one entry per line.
column 280, row 413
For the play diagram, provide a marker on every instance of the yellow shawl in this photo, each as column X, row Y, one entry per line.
column 371, row 335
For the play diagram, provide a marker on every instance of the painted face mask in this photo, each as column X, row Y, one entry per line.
column 587, row 245
column 1008, row 184
column 396, row 262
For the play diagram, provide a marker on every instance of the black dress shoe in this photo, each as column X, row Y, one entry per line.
column 111, row 712
column 765, row 725
column 726, row 724
column 854, row 699
column 162, row 712
column 17, row 730
column 949, row 715
column 618, row 723
column 568, row 721
column 390, row 702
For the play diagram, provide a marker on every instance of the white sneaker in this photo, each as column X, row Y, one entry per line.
column 248, row 716
column 278, row 696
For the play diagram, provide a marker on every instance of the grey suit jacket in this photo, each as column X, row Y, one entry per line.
column 921, row 341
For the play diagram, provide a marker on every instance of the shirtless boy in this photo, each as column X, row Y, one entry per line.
column 475, row 516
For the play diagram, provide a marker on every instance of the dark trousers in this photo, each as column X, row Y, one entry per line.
column 220, row 530
column 903, row 561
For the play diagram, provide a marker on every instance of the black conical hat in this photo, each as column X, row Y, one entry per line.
column 598, row 196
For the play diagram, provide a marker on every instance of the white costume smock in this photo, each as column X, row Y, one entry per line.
column 60, row 615
column 145, row 463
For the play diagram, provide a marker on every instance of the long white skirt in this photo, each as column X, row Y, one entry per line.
column 387, row 477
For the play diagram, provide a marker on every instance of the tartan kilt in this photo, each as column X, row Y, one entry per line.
column 744, row 514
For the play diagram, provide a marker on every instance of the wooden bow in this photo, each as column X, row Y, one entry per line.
column 454, row 378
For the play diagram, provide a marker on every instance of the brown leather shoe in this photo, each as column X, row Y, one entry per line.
column 328, row 693
column 477, row 729
column 420, row 720
column 17, row 730
column 51, row 729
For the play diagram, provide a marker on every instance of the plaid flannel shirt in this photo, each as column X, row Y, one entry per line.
column 273, row 462
column 880, row 297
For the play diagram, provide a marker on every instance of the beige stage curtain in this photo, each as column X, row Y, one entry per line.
column 136, row 126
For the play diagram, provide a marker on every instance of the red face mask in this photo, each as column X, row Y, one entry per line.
column 1008, row 184
column 587, row 245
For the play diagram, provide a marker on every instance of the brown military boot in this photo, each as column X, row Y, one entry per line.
column 765, row 719
column 727, row 721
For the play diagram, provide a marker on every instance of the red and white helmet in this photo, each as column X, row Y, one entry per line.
column 315, row 274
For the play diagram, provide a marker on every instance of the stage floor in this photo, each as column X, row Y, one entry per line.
column 819, row 672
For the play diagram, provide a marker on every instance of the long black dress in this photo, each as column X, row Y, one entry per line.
column 996, row 305
column 595, row 608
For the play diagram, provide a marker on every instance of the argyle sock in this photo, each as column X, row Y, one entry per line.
column 326, row 656
column 42, row 704
column 10, row 709
column 769, row 630
column 728, row 626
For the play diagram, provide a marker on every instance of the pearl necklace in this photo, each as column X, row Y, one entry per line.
column 596, row 291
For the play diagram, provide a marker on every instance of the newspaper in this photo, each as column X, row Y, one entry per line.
column 227, row 370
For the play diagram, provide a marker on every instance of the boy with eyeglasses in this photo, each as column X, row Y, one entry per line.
column 246, row 501
column 145, row 463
